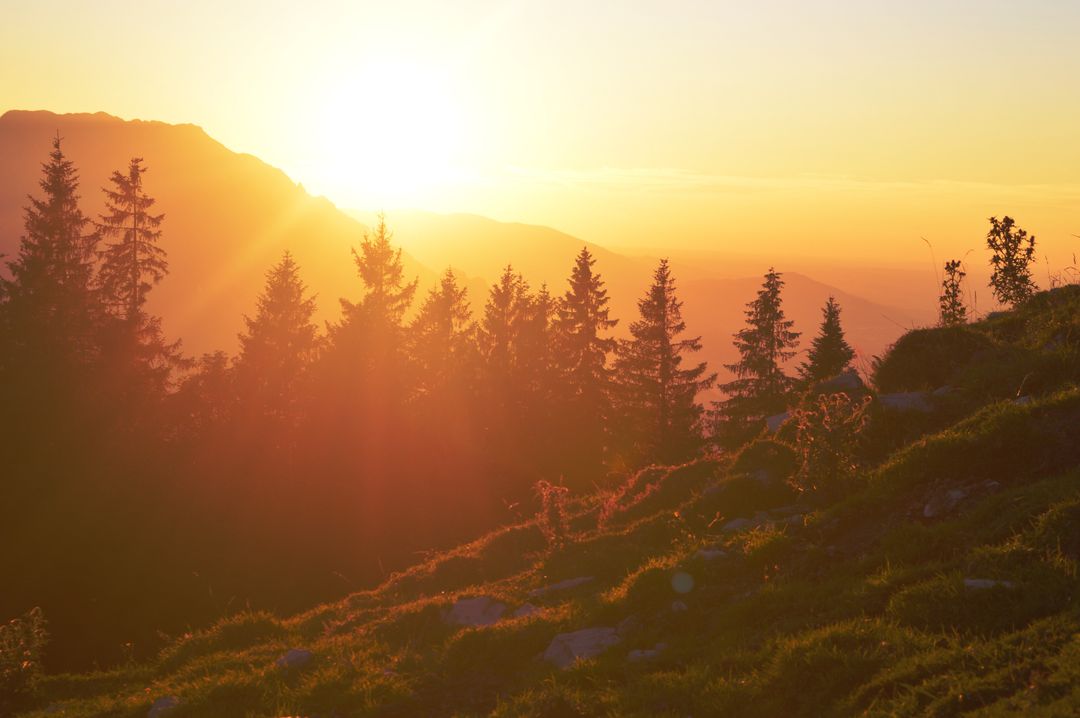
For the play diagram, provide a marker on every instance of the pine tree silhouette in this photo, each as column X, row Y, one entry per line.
column 658, row 396
column 278, row 346
column 760, row 387
column 829, row 352
column 133, row 263
column 443, row 339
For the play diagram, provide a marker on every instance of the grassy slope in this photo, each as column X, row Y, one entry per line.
column 857, row 608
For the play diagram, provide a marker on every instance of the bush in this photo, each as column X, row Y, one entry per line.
column 22, row 643
column 552, row 518
column 767, row 460
column 926, row 359
column 826, row 441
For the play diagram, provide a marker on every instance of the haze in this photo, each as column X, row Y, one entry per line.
column 829, row 129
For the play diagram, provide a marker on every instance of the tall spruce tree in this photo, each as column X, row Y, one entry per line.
column 581, row 321
column 1013, row 250
column 760, row 387
column 133, row 263
column 829, row 352
column 51, row 311
column 442, row 339
column 951, row 308
column 278, row 346
column 658, row 396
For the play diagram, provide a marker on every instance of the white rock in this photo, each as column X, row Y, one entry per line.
column 163, row 706
column 981, row 584
column 906, row 401
column 479, row 611
column 294, row 658
column 561, row 586
column 526, row 609
column 567, row 648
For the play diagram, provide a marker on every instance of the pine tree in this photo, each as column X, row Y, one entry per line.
column 51, row 312
column 1013, row 251
column 442, row 338
column 760, row 387
column 581, row 320
column 829, row 354
column 951, row 309
column 658, row 396
column 133, row 263
column 387, row 295
column 278, row 346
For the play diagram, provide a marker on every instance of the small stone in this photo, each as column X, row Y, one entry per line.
column 1023, row 400
column 561, row 586
column 982, row 584
column 943, row 503
column 907, row 401
column 526, row 610
column 567, row 648
column 163, row 706
column 739, row 524
column 294, row 658
column 678, row 606
column 710, row 554
column 479, row 611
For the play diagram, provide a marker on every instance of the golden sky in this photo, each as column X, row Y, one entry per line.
column 822, row 128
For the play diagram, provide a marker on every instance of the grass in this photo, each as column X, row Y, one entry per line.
column 860, row 608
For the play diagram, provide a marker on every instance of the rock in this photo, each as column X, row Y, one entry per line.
column 943, row 390
column 627, row 626
column 847, row 382
column 943, row 503
column 294, row 658
column 479, row 611
column 710, row 554
column 907, row 401
column 774, row 422
column 567, row 648
column 561, row 586
column 645, row 654
column 739, row 524
column 1023, row 400
column 678, row 606
column 163, row 706
column 525, row 610
column 981, row 584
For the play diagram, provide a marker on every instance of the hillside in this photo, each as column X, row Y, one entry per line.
column 228, row 216
column 942, row 582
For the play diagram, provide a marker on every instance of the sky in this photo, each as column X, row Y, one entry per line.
column 843, row 128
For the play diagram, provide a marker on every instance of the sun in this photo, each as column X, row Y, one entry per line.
column 388, row 134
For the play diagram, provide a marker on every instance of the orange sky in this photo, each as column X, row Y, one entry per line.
column 843, row 128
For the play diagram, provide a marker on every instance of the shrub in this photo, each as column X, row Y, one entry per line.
column 928, row 358
column 22, row 643
column 826, row 439
column 552, row 518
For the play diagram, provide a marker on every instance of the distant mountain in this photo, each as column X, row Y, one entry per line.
column 228, row 216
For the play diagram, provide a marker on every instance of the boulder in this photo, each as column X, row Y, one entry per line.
column 645, row 654
column 943, row 503
column 561, row 586
column 479, row 611
column 907, row 401
column 710, row 554
column 848, row 382
column 163, row 706
column 294, row 659
column 567, row 648
column 982, row 584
